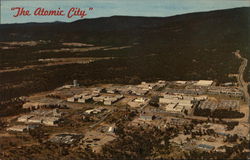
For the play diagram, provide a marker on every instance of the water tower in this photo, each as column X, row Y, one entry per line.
column 75, row 83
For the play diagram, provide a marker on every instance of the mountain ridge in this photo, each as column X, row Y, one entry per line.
column 186, row 47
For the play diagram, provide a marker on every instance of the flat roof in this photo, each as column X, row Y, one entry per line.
column 204, row 83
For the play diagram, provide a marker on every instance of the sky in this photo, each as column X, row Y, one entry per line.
column 106, row 8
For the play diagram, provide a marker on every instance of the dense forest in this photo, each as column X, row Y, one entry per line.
column 184, row 47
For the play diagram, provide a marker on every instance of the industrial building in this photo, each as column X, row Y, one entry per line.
column 43, row 103
column 204, row 83
column 83, row 97
column 230, row 91
column 222, row 104
column 177, row 104
column 149, row 86
column 42, row 116
column 138, row 102
column 108, row 100
column 187, row 90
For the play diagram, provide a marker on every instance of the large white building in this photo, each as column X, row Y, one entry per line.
column 204, row 83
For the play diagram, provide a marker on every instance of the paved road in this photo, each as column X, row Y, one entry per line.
column 242, row 83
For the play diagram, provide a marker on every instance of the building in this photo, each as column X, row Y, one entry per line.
column 204, row 83
column 180, row 82
column 94, row 111
column 71, row 99
column 205, row 147
column 97, row 90
column 183, row 102
column 32, row 126
column 141, row 100
column 209, row 104
column 229, row 105
column 24, row 118
column 45, row 112
column 108, row 100
column 174, row 108
column 18, row 128
column 138, row 102
column 230, row 91
column 35, row 119
column 84, row 99
column 50, row 121
column 146, row 117
column 146, row 86
column 112, row 99
column 139, row 91
column 43, row 102
column 111, row 90
column 99, row 99
column 232, row 105
column 200, row 98
column 124, row 89
column 75, row 83
column 187, row 90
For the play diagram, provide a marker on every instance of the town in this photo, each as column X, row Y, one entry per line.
column 206, row 116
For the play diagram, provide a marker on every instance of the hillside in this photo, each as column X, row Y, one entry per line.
column 184, row 47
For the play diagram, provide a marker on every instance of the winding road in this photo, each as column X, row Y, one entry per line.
column 242, row 83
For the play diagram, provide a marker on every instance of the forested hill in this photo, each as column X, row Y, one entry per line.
column 184, row 47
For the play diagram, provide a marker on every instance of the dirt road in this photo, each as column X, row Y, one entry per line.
column 242, row 83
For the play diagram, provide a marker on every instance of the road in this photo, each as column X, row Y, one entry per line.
column 103, row 119
column 242, row 83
